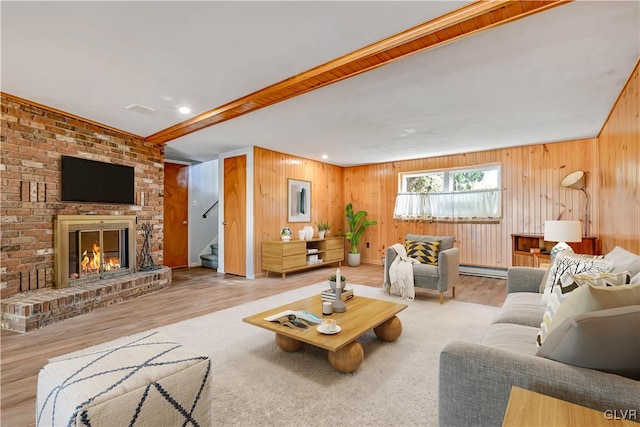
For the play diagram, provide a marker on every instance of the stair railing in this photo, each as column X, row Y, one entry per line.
column 204, row 215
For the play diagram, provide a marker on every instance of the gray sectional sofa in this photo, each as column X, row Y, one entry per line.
column 476, row 378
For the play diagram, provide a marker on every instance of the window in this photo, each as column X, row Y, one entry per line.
column 470, row 194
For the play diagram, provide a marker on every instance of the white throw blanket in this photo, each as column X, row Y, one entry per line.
column 401, row 273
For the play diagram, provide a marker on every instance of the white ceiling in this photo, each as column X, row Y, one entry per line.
column 553, row 76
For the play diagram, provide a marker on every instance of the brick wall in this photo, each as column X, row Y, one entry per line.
column 31, row 144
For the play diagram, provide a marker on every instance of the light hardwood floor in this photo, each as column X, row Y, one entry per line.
column 195, row 292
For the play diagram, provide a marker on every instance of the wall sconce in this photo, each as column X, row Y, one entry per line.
column 576, row 180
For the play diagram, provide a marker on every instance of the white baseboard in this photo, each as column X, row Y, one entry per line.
column 472, row 270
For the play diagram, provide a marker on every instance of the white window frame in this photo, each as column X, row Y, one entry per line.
column 484, row 205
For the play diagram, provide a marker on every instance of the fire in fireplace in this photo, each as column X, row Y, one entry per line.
column 92, row 247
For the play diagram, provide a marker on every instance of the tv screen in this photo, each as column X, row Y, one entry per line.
column 98, row 182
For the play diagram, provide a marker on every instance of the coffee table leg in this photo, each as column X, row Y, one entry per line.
column 348, row 358
column 288, row 344
column 389, row 330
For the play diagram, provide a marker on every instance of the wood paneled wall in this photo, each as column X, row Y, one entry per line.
column 619, row 177
column 271, row 171
column 531, row 194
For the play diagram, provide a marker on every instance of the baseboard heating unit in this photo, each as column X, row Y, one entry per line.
column 472, row 270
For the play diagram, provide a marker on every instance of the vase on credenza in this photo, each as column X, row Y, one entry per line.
column 308, row 232
column 321, row 234
column 301, row 234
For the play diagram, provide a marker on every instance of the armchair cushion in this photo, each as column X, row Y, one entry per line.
column 425, row 270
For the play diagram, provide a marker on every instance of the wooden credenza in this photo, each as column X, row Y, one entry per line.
column 294, row 255
column 521, row 254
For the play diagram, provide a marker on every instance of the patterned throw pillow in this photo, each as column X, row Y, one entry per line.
column 567, row 263
column 569, row 283
column 425, row 252
column 597, row 279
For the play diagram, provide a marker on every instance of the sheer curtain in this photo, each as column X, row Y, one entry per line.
column 481, row 205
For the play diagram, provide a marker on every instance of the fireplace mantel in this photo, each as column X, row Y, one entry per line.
column 98, row 225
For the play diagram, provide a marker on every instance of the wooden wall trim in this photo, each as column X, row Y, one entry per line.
column 470, row 19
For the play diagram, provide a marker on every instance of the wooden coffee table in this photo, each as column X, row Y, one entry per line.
column 345, row 353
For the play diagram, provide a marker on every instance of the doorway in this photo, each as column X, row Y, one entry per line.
column 176, row 213
column 235, row 216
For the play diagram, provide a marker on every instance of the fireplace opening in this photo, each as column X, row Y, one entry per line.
column 90, row 248
column 97, row 252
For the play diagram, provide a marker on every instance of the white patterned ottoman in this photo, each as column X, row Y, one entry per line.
column 149, row 381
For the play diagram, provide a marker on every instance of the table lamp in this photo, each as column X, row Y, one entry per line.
column 562, row 232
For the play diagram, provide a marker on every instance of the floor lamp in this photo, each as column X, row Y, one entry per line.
column 576, row 180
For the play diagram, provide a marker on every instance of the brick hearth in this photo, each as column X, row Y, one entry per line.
column 27, row 311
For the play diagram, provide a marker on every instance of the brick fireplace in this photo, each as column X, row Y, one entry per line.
column 37, row 289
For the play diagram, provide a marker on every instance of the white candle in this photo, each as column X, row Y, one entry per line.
column 338, row 279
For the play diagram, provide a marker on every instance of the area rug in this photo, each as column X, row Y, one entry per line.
column 255, row 383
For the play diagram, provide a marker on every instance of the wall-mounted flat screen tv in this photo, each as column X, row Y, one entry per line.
column 96, row 182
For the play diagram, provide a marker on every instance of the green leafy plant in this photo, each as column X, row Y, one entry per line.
column 323, row 226
column 332, row 278
column 357, row 222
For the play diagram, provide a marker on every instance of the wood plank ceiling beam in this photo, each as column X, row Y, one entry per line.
column 463, row 22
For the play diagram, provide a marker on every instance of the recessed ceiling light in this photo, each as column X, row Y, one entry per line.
column 184, row 110
column 325, row 157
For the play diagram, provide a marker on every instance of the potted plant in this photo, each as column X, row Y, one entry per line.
column 357, row 222
column 332, row 282
column 323, row 229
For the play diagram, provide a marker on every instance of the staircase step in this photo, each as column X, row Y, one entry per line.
column 209, row 261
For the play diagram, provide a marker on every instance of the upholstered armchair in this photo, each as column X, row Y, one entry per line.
column 440, row 277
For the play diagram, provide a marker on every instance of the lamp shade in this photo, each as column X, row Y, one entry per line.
column 562, row 231
column 574, row 180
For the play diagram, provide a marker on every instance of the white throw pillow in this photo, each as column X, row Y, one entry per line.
column 606, row 340
column 569, row 283
column 566, row 263
column 586, row 299
column 623, row 260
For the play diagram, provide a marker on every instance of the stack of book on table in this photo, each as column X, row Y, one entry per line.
column 330, row 295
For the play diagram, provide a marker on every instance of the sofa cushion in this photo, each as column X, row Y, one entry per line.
column 522, row 308
column 424, row 252
column 446, row 242
column 569, row 263
column 624, row 260
column 512, row 337
column 606, row 340
column 590, row 298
